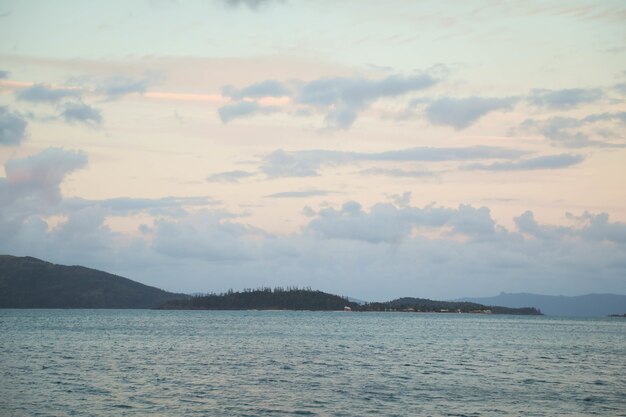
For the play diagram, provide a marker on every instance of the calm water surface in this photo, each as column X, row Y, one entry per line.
column 202, row 363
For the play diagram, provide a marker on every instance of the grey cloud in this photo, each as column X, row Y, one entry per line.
column 298, row 194
column 82, row 113
column 541, row 162
column 229, row 176
column 173, row 206
column 566, row 131
column 386, row 223
column 268, row 88
column 564, row 99
column 463, row 112
column 4, row 75
column 343, row 98
column 588, row 226
column 119, row 86
column 40, row 93
column 597, row 227
column 381, row 252
column 396, row 172
column 620, row 88
column 340, row 98
column 12, row 127
column 40, row 175
column 243, row 109
column 282, row 163
column 187, row 238
column 251, row 4
column 357, row 91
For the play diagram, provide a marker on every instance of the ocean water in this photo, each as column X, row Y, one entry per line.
column 267, row 363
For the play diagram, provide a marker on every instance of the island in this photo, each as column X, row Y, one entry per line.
column 314, row 300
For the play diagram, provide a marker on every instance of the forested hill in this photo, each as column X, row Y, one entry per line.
column 264, row 299
column 426, row 305
column 27, row 282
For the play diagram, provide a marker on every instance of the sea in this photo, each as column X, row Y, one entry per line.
column 296, row 363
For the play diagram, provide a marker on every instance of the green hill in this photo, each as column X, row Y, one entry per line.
column 27, row 282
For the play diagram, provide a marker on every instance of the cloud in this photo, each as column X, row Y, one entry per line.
column 588, row 226
column 243, row 109
column 380, row 252
column 564, row 99
column 39, row 176
column 229, row 176
column 281, row 163
column 596, row 227
column 299, row 194
column 4, row 75
column 268, row 88
column 81, row 113
column 398, row 173
column 12, row 127
column 171, row 206
column 463, row 112
column 390, row 224
column 40, row 93
column 118, row 86
column 542, row 162
column 251, row 4
column 187, row 238
column 569, row 131
column 344, row 98
column 341, row 99
column 620, row 88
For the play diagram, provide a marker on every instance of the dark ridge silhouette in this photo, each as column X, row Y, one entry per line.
column 589, row 305
column 27, row 282
column 264, row 299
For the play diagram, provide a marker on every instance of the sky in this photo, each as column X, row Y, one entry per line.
column 369, row 149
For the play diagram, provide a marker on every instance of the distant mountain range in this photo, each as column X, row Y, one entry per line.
column 590, row 305
column 27, row 282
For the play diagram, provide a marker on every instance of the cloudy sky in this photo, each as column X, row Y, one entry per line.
column 403, row 148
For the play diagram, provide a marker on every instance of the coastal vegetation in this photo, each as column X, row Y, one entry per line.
column 307, row 299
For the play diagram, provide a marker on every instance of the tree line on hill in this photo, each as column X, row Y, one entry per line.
column 294, row 298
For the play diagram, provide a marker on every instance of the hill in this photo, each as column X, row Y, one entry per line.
column 307, row 299
column 27, row 282
column 590, row 305
column 264, row 299
column 426, row 305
